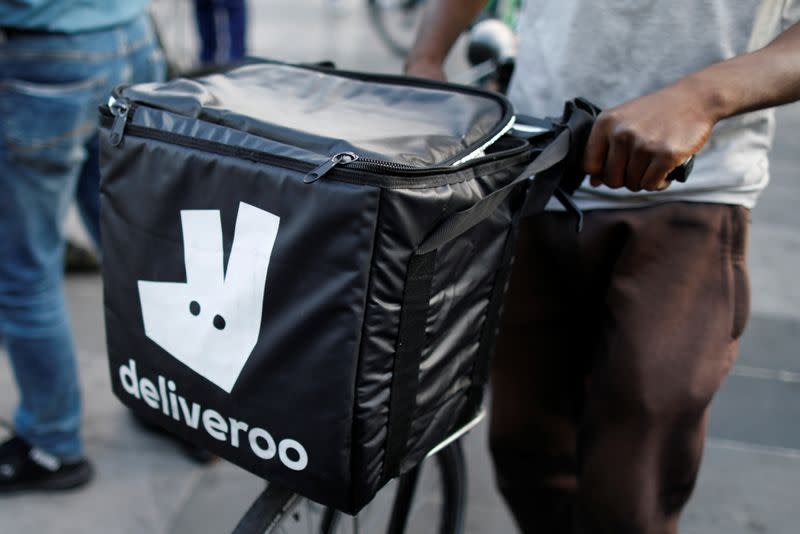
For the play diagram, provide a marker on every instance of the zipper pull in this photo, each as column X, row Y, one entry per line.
column 325, row 168
column 119, row 108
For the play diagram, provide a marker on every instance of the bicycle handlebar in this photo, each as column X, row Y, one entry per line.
column 579, row 118
column 681, row 172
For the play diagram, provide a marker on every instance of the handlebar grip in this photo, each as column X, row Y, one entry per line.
column 682, row 171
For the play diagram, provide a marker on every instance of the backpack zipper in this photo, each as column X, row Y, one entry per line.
column 325, row 168
column 121, row 109
column 367, row 164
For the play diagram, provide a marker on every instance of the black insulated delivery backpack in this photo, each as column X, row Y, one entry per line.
column 304, row 268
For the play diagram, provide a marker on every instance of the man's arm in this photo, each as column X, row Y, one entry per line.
column 444, row 21
column 636, row 144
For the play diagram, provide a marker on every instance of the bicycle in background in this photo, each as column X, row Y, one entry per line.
column 397, row 21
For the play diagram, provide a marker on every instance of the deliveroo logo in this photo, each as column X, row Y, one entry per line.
column 211, row 323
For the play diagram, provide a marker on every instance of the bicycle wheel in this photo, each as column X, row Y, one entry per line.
column 430, row 498
column 452, row 491
column 396, row 22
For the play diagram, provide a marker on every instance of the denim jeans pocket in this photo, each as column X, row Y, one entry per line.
column 46, row 125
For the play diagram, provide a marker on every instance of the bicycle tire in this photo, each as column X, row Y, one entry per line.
column 268, row 511
column 450, row 470
column 384, row 17
column 454, row 479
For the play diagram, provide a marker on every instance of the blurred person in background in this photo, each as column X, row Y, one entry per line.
column 59, row 60
column 222, row 25
column 615, row 340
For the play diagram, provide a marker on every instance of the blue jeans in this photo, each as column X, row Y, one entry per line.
column 208, row 13
column 50, row 87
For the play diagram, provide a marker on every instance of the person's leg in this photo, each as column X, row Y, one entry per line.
column 44, row 127
column 676, row 305
column 237, row 28
column 537, row 376
column 48, row 415
column 205, row 13
column 48, row 116
column 50, row 86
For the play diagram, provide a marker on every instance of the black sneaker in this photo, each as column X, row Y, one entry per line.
column 78, row 259
column 26, row 468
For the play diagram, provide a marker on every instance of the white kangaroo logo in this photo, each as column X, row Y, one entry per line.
column 211, row 323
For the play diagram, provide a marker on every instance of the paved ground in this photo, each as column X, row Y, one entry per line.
column 750, row 481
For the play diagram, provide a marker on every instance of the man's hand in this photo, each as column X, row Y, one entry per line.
column 637, row 144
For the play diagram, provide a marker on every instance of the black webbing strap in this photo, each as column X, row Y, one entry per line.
column 578, row 119
column 417, row 294
column 410, row 343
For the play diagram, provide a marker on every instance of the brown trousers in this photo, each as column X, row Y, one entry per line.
column 613, row 343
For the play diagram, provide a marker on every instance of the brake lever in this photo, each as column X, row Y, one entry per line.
column 678, row 174
column 681, row 172
column 579, row 116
